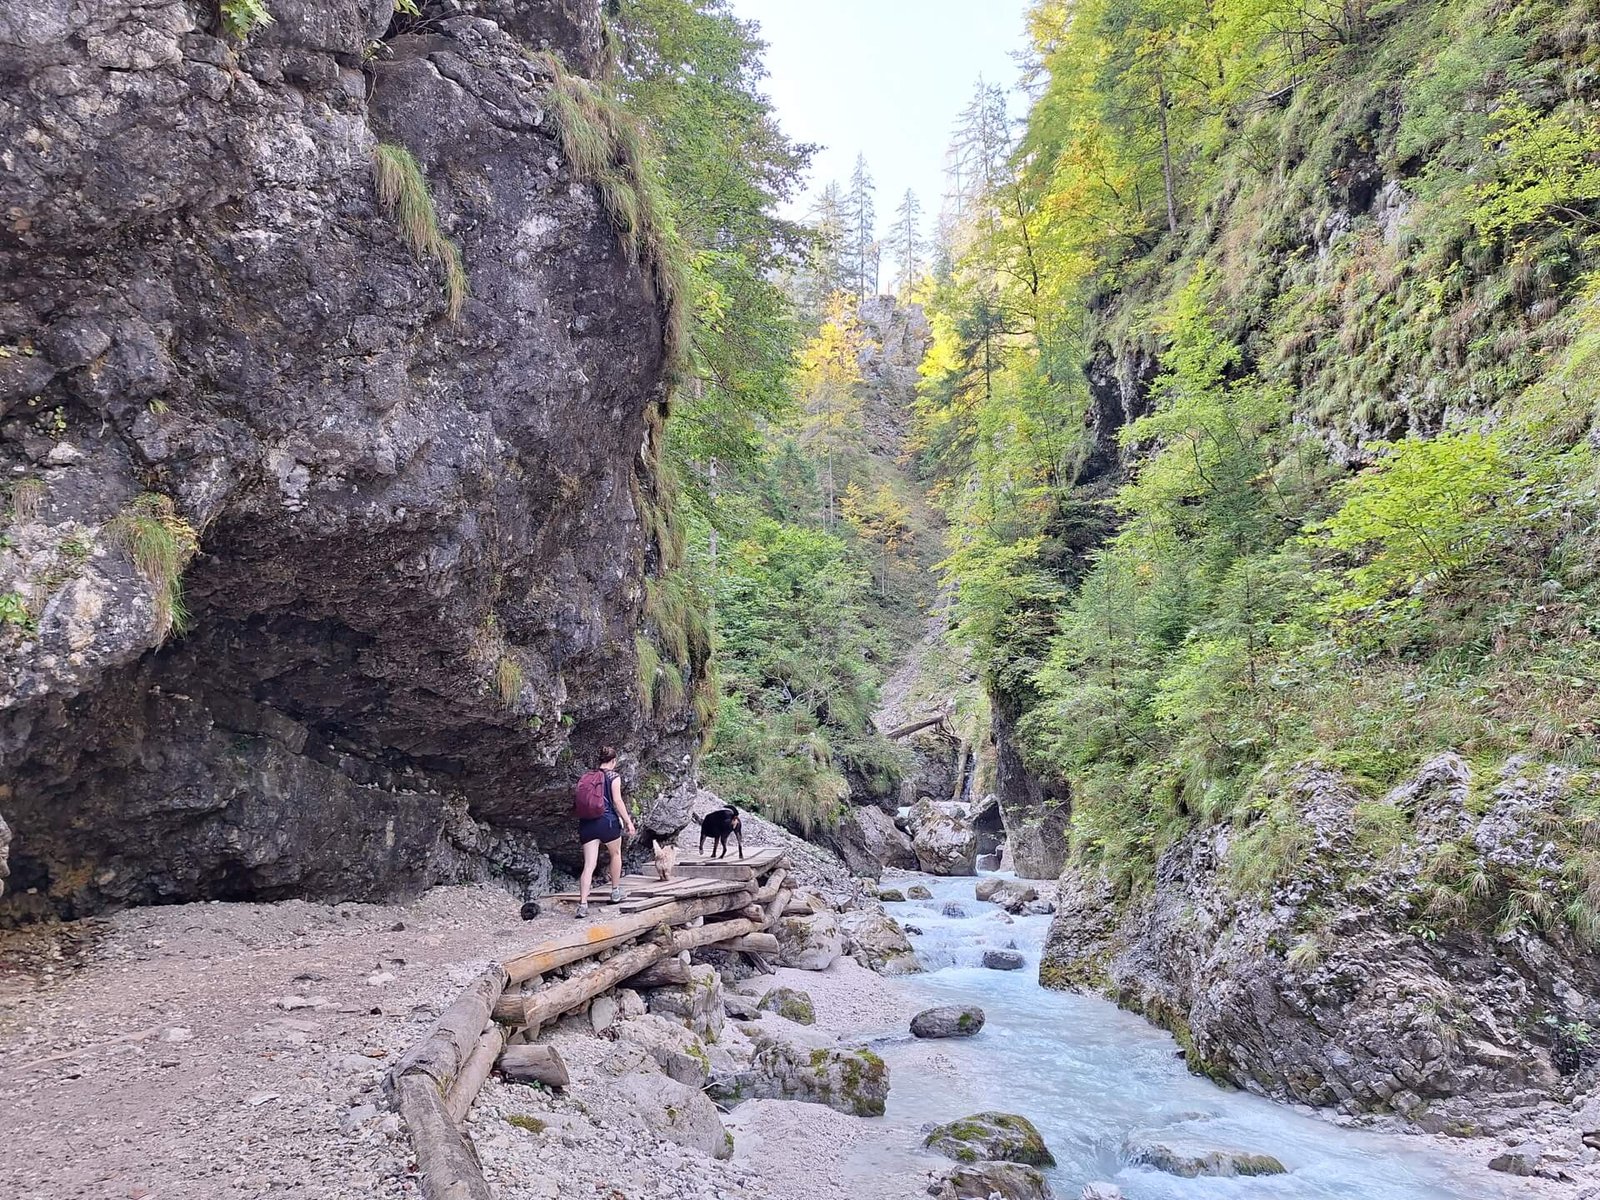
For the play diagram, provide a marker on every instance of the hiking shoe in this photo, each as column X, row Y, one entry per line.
column 583, row 911
column 618, row 895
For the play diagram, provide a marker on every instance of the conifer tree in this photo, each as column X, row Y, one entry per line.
column 860, row 223
column 906, row 241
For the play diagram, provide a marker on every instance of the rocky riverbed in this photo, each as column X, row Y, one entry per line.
column 235, row 1050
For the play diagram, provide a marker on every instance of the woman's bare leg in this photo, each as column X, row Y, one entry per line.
column 615, row 850
column 591, row 855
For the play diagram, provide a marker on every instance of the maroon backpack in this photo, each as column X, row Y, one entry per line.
column 590, row 799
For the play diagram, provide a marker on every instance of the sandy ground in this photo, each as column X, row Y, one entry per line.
column 227, row 1051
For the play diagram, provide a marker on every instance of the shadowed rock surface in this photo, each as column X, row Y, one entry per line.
column 421, row 541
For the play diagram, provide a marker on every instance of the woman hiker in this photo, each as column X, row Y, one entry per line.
column 602, row 817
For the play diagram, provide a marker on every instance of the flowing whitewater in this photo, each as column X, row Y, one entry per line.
column 1090, row 1076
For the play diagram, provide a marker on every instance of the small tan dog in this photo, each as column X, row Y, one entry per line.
column 664, row 851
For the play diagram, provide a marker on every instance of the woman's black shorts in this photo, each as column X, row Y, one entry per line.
column 600, row 829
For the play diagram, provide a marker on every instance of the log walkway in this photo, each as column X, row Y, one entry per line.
column 728, row 903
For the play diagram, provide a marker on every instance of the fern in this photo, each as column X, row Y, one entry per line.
column 404, row 195
column 241, row 18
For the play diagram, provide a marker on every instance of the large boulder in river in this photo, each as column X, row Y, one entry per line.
column 811, row 943
column 985, row 1181
column 1004, row 960
column 991, row 1137
column 875, row 940
column 949, row 1021
column 1190, row 1157
column 945, row 842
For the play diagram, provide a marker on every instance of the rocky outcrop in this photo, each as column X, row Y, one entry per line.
column 697, row 1004
column 412, row 545
column 1394, row 966
column 868, row 841
column 944, row 840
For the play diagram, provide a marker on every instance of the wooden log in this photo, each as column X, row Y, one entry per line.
column 509, row 1009
column 458, row 1100
column 770, row 888
column 775, row 907
column 550, row 1001
column 669, row 972
column 752, row 943
column 895, row 735
column 712, row 935
column 536, row 1063
column 446, row 1168
column 589, row 940
column 442, row 1053
column 797, row 908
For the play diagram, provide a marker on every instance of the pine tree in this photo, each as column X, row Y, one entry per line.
column 825, row 268
column 978, row 151
column 860, row 223
column 906, row 241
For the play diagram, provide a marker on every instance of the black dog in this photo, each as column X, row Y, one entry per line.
column 717, row 826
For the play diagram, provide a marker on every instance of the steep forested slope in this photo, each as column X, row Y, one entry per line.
column 1264, row 376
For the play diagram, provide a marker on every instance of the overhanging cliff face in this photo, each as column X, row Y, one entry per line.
column 421, row 543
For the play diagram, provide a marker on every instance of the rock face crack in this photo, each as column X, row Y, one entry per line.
column 421, row 550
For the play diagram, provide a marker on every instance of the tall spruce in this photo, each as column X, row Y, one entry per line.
column 906, row 242
column 861, row 231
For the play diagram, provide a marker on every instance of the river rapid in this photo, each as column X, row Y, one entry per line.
column 1090, row 1076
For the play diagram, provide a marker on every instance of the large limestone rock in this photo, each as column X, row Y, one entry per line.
column 676, row 1050
column 1343, row 987
column 868, row 841
column 421, row 548
column 1191, row 1157
column 991, row 1137
column 697, row 1005
column 985, row 1181
column 676, row 1111
column 811, row 943
column 790, row 1004
column 875, row 940
column 853, row 1081
column 947, row 1021
column 944, row 841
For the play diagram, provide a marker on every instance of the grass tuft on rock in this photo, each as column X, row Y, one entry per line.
column 160, row 544
column 404, row 195
column 508, row 680
column 606, row 147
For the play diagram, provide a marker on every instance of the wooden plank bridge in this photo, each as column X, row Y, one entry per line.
column 727, row 903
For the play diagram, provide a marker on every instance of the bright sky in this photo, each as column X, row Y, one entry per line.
column 884, row 78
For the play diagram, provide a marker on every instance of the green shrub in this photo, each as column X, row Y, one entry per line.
column 404, row 195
